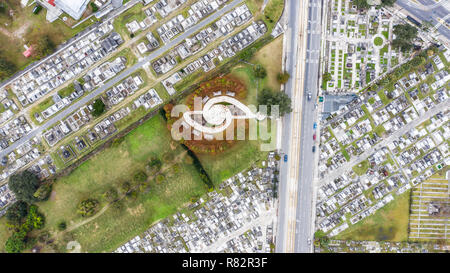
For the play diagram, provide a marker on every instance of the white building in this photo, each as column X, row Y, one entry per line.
column 75, row 8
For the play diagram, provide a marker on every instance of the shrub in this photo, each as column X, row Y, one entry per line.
column 140, row 176
column 87, row 207
column 160, row 178
column 62, row 225
column 282, row 78
column 110, row 195
column 260, row 71
column 99, row 108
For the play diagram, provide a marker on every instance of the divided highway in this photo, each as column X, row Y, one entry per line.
column 296, row 208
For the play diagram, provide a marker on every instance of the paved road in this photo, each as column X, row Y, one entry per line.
column 303, row 206
column 291, row 11
column 436, row 10
column 61, row 115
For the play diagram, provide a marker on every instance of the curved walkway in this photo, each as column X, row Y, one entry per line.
column 219, row 115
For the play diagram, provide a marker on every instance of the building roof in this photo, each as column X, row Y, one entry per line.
column 27, row 53
column 75, row 8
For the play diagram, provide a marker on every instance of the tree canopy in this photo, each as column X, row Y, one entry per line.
column 99, row 108
column 361, row 4
column 24, row 185
column 269, row 98
column 260, row 71
column 87, row 207
column 388, row 3
column 404, row 36
column 283, row 77
column 17, row 212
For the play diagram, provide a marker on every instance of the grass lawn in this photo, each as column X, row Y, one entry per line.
column 4, row 234
column 112, row 167
column 378, row 41
column 270, row 58
column 115, row 227
column 134, row 13
column 239, row 157
column 361, row 168
column 389, row 223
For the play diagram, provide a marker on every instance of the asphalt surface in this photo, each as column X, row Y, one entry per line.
column 291, row 10
column 304, row 225
column 435, row 11
column 78, row 104
column 305, row 209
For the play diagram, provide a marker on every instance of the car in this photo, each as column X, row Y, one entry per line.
column 37, row 9
column 285, row 158
column 309, row 96
column 315, row 125
column 314, row 137
column 314, row 148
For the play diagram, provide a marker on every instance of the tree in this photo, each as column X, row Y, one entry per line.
column 15, row 243
column 111, row 195
column 6, row 68
column 283, row 77
column 24, row 185
column 260, row 71
column 404, row 35
column 269, row 98
column 43, row 192
column 140, row 176
column 99, row 108
column 326, row 76
column 247, row 54
column 87, row 207
column 62, row 225
column 125, row 187
column 388, row 3
column 155, row 165
column 43, row 47
column 94, row 7
column 17, row 212
column 361, row 4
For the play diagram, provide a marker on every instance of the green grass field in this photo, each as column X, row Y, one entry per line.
column 378, row 41
column 109, row 169
column 239, row 157
column 389, row 223
column 270, row 58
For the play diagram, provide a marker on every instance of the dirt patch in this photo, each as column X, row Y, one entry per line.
column 20, row 32
column 53, row 195
column 137, row 211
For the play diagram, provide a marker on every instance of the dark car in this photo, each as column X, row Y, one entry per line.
column 285, row 158
column 314, row 149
